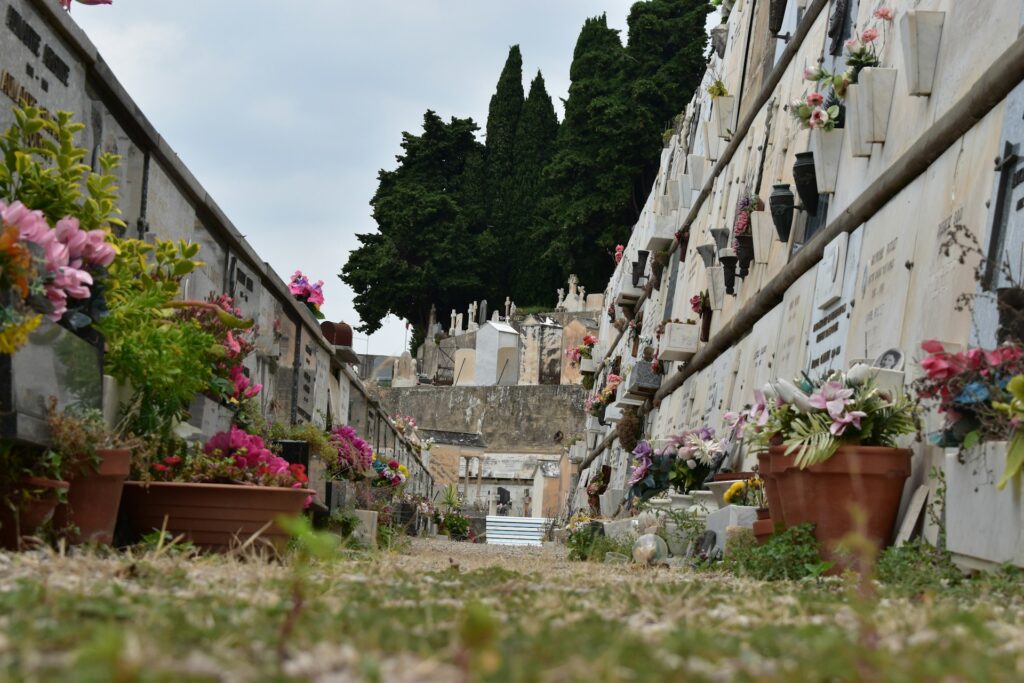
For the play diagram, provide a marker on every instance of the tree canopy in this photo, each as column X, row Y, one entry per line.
column 458, row 220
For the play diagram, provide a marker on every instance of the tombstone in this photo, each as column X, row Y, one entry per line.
column 560, row 303
column 432, row 322
column 541, row 358
column 791, row 348
column 512, row 312
column 405, row 371
column 465, row 368
column 508, row 305
column 508, row 366
column 492, row 367
column 835, row 291
column 572, row 335
column 458, row 325
column 595, row 302
column 454, row 325
column 495, row 316
column 482, row 315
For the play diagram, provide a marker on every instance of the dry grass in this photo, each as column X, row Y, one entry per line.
column 453, row 611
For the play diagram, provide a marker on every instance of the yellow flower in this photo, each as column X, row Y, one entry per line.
column 404, row 470
column 733, row 490
column 14, row 336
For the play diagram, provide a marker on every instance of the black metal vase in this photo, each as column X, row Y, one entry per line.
column 705, row 325
column 729, row 268
column 806, row 181
column 744, row 253
column 781, row 203
column 776, row 16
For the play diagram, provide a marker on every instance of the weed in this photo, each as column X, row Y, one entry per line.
column 787, row 555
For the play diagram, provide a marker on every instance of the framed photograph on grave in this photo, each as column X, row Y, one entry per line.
column 890, row 359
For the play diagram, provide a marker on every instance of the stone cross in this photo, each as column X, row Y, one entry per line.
column 472, row 312
column 561, row 299
column 573, row 282
column 451, row 330
column 508, row 305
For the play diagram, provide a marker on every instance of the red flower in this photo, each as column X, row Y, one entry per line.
column 942, row 366
column 160, row 468
column 393, row 464
column 172, row 460
column 299, row 472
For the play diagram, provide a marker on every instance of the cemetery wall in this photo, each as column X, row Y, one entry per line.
column 510, row 418
column 825, row 297
column 46, row 60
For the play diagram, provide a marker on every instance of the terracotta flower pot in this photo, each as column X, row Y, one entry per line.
column 94, row 499
column 868, row 478
column 733, row 476
column 214, row 516
column 771, row 487
column 33, row 513
column 763, row 526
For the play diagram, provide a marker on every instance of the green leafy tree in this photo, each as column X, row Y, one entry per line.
column 424, row 251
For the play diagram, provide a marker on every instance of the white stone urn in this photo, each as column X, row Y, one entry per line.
column 827, row 145
column 763, row 231
column 876, row 86
column 920, row 35
column 724, row 107
column 859, row 147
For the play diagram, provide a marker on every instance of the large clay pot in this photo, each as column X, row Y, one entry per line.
column 213, row 516
column 32, row 513
column 867, row 478
column 763, row 525
column 771, row 486
column 94, row 498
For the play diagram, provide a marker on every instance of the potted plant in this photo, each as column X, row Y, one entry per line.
column 583, row 355
column 96, row 470
column 980, row 396
column 821, row 111
column 31, row 486
column 226, row 492
column 701, row 305
column 724, row 106
column 309, row 293
column 833, row 448
column 743, row 233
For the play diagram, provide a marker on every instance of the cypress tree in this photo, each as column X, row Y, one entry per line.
column 502, row 121
column 533, row 280
column 590, row 210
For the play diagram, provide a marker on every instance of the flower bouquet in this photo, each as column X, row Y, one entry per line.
column 974, row 390
column 309, row 293
column 390, row 473
column 355, row 455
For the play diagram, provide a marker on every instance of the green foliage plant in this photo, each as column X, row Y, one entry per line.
column 166, row 361
column 788, row 555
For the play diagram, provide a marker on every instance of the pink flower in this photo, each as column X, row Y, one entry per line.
column 31, row 225
column 852, row 44
column 815, row 99
column 869, row 35
column 841, row 422
column 759, row 413
column 942, row 366
column 819, row 118
column 619, row 251
column 833, row 397
column 884, row 13
column 812, row 73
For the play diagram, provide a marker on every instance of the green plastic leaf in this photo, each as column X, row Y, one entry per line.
column 1016, row 387
column 1014, row 460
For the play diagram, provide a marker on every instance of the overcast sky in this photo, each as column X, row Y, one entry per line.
column 285, row 111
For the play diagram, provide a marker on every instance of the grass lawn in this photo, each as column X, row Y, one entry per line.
column 444, row 611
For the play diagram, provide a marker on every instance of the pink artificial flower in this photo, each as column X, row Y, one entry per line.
column 759, row 413
column 869, row 35
column 833, row 397
column 852, row 44
column 31, row 225
column 589, row 340
column 819, row 118
column 885, row 13
column 619, row 251
column 841, row 422
column 97, row 251
column 815, row 99
column 232, row 345
column 942, row 366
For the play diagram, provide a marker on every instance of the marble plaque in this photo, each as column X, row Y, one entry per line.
column 830, row 324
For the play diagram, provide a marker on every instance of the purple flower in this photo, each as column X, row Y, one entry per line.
column 758, row 414
column 643, row 449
